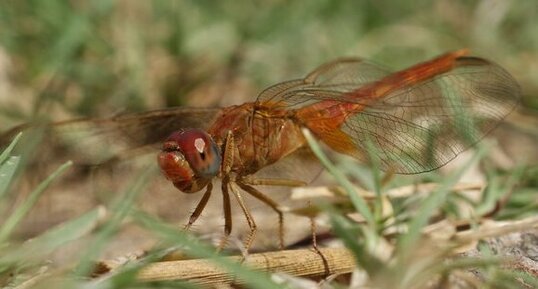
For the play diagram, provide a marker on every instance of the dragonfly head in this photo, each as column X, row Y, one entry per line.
column 190, row 159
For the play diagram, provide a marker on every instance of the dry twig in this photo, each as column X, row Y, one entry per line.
column 303, row 262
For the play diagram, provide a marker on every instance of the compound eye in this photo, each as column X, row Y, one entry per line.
column 199, row 150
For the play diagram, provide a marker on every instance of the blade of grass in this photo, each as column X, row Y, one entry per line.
column 8, row 165
column 126, row 276
column 53, row 238
column 432, row 202
column 120, row 211
column 525, row 277
column 358, row 202
column 195, row 248
column 349, row 234
column 14, row 219
column 7, row 151
column 496, row 191
column 438, row 266
column 7, row 171
column 376, row 174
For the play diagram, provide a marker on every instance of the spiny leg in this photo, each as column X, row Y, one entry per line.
column 227, row 214
column 271, row 203
column 248, row 180
column 248, row 216
column 227, row 163
column 200, row 207
column 228, row 154
column 315, row 243
column 272, row 182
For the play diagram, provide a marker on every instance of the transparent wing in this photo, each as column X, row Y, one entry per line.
column 329, row 81
column 413, row 128
column 94, row 141
column 424, row 126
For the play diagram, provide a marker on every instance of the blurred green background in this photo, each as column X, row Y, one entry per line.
column 95, row 58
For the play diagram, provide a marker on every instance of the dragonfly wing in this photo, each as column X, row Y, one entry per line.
column 94, row 141
column 328, row 81
column 109, row 158
column 412, row 128
column 423, row 126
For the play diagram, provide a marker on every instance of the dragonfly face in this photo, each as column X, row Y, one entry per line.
column 190, row 159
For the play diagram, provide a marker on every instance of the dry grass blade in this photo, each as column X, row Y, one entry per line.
column 400, row 192
column 495, row 229
column 305, row 263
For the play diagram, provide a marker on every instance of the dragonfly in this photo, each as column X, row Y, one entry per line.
column 412, row 121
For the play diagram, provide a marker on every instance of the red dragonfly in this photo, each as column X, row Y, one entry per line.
column 416, row 119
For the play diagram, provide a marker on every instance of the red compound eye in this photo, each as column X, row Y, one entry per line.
column 189, row 158
column 199, row 150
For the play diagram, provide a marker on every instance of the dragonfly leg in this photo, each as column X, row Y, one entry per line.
column 227, row 214
column 271, row 203
column 272, row 182
column 227, row 162
column 248, row 216
column 200, row 207
column 228, row 154
column 315, row 244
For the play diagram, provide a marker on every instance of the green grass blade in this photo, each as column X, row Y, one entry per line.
column 373, row 157
column 120, row 210
column 7, row 171
column 8, row 165
column 434, row 201
column 7, row 151
column 195, row 248
column 14, row 219
column 52, row 239
column 358, row 202
column 350, row 234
